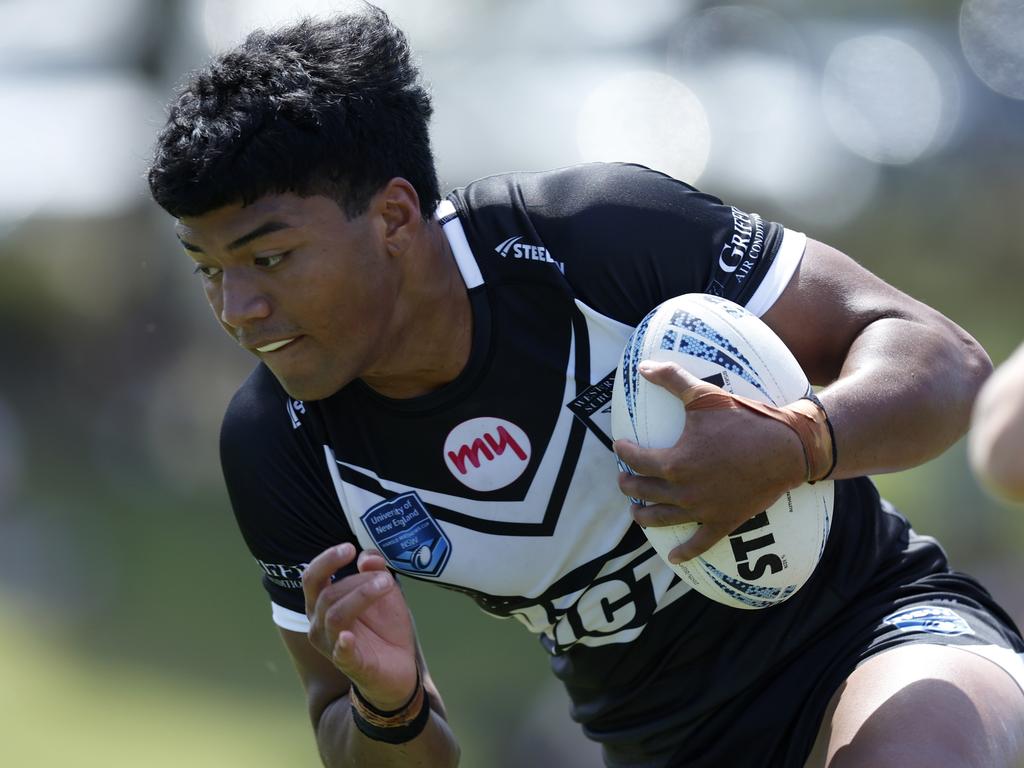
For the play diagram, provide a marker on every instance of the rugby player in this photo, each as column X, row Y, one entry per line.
column 430, row 400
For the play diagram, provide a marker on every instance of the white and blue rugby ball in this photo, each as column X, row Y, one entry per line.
column 766, row 560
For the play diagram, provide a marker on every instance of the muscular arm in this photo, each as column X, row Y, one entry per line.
column 361, row 631
column 901, row 377
column 996, row 441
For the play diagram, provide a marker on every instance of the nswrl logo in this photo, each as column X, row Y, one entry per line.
column 408, row 537
column 933, row 619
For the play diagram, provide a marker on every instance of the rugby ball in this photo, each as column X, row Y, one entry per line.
column 768, row 558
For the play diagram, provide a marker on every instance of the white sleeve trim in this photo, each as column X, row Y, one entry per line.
column 779, row 273
column 288, row 619
column 460, row 245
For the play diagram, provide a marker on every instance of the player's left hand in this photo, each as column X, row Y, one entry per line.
column 729, row 465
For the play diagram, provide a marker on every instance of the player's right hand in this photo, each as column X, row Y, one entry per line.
column 729, row 464
column 361, row 622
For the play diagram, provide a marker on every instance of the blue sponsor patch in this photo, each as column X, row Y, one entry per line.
column 929, row 618
column 407, row 535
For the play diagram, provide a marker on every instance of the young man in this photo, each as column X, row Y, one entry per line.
column 426, row 404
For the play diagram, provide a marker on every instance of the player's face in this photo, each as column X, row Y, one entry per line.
column 299, row 284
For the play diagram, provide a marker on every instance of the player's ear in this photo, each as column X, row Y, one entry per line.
column 399, row 208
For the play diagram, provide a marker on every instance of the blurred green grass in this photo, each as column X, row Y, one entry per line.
column 65, row 706
column 61, row 708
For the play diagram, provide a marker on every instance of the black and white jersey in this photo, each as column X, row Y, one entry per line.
column 503, row 485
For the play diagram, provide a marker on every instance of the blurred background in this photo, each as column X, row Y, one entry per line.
column 134, row 629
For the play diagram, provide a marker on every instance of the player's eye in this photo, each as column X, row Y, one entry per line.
column 271, row 260
column 207, row 271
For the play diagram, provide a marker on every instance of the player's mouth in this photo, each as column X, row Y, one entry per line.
column 274, row 346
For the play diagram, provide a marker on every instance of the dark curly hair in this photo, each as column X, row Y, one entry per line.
column 332, row 107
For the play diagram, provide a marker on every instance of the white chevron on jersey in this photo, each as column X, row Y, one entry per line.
column 611, row 596
column 529, row 510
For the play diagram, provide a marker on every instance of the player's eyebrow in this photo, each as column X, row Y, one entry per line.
column 263, row 229
column 188, row 246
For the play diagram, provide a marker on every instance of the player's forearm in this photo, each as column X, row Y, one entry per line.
column 904, row 395
column 343, row 745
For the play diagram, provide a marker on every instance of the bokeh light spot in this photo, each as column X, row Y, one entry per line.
column 717, row 34
column 774, row 144
column 992, row 38
column 882, row 98
column 649, row 118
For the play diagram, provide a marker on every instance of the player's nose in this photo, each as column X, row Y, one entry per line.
column 242, row 300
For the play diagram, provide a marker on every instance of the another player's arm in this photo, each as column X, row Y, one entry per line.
column 996, row 440
column 901, row 376
column 362, row 632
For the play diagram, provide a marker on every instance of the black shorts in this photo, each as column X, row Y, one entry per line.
column 709, row 686
column 775, row 725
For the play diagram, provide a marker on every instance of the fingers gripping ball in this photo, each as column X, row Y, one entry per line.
column 768, row 558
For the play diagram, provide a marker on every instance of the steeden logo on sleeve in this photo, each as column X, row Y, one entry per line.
column 513, row 249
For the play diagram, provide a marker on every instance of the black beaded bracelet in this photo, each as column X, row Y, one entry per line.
column 394, row 734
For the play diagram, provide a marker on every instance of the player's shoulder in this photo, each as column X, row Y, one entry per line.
column 592, row 208
column 257, row 402
column 260, row 415
column 624, row 237
column 574, row 189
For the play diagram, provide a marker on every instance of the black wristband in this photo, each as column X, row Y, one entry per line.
column 831, row 433
column 397, row 734
column 385, row 713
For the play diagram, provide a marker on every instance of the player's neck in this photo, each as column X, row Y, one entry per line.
column 433, row 331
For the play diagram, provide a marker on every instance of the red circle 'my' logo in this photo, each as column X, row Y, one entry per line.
column 487, row 453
